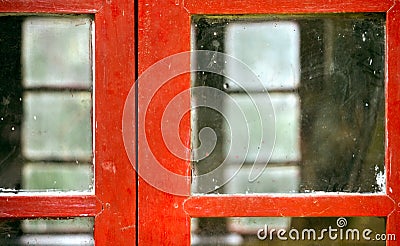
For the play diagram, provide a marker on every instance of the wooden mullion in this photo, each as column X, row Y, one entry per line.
column 392, row 109
column 115, row 178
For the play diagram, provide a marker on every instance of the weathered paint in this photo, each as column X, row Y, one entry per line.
column 115, row 180
column 54, row 6
column 164, row 30
column 164, row 219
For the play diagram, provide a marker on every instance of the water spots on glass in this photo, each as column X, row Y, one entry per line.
column 56, row 52
column 325, row 77
column 46, row 103
column 54, row 231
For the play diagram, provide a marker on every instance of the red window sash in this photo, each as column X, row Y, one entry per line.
column 53, row 6
column 164, row 30
column 114, row 201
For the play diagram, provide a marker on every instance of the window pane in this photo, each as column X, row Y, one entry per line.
column 46, row 103
column 70, row 225
column 270, row 48
column 287, row 139
column 290, row 231
column 56, row 51
column 57, row 125
column 54, row 177
column 71, row 231
column 324, row 77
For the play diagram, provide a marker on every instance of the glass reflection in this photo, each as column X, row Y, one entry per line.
column 57, row 51
column 46, row 103
column 324, row 76
column 292, row 231
column 71, row 231
column 57, row 125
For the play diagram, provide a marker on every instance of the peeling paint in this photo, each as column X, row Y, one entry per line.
column 109, row 166
column 128, row 227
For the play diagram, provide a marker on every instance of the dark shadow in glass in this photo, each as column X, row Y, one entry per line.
column 340, row 93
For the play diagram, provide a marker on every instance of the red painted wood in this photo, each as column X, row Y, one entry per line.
column 393, row 102
column 393, row 227
column 164, row 29
column 115, row 175
column 393, row 117
column 296, row 205
column 285, row 6
column 53, row 6
column 21, row 206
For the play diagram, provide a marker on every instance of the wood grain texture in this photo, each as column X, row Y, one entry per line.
column 19, row 206
column 294, row 205
column 54, row 6
column 285, row 6
column 115, row 75
column 392, row 158
column 164, row 30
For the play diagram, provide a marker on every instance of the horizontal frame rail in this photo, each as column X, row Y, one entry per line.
column 298, row 205
column 54, row 6
column 285, row 6
column 25, row 206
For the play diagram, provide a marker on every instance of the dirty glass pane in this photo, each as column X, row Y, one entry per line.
column 270, row 49
column 10, row 101
column 323, row 75
column 46, row 103
column 275, row 179
column 57, row 125
column 290, row 231
column 57, row 51
column 287, row 110
column 51, row 177
column 71, row 231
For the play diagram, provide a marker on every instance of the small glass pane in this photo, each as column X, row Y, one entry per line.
column 56, row 51
column 11, row 111
column 290, row 231
column 271, row 49
column 53, row 177
column 275, row 179
column 46, row 103
column 71, row 231
column 287, row 138
column 57, row 126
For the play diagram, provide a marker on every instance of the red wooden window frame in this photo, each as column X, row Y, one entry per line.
column 114, row 203
column 164, row 219
column 164, row 30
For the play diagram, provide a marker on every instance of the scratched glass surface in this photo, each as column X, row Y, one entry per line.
column 57, row 231
column 46, row 103
column 324, row 77
column 290, row 231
